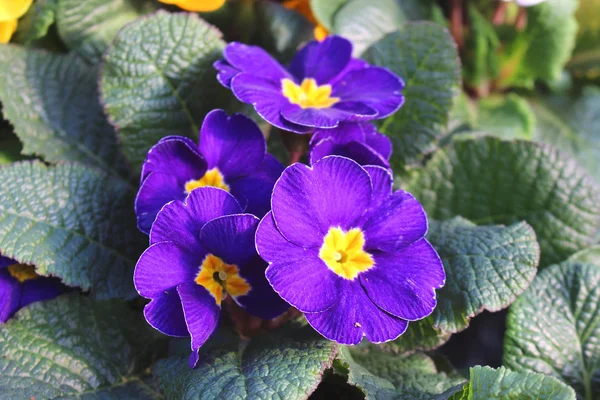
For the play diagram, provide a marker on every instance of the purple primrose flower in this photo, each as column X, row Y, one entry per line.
column 232, row 155
column 359, row 141
column 322, row 87
column 349, row 253
column 21, row 286
column 200, row 252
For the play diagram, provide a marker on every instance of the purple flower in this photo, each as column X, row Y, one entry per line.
column 359, row 141
column 21, row 286
column 232, row 155
column 349, row 253
column 322, row 87
column 200, row 252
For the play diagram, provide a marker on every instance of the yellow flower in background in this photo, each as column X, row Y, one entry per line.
column 195, row 5
column 303, row 7
column 10, row 12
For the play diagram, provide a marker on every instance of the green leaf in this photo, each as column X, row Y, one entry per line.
column 78, row 348
column 420, row 336
column 491, row 181
column 385, row 376
column 487, row 268
column 52, row 102
column 35, row 23
column 590, row 255
column 503, row 384
column 158, row 79
column 285, row 364
column 508, row 117
column 572, row 126
column 88, row 27
column 544, row 47
column 72, row 222
column 325, row 10
column 554, row 327
column 424, row 55
column 586, row 56
column 481, row 45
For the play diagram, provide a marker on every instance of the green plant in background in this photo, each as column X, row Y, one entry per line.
column 497, row 138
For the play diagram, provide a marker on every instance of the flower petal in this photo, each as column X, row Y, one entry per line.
column 298, row 275
column 231, row 238
column 403, row 283
column 11, row 294
column 165, row 314
column 346, row 132
column 256, row 189
column 326, row 117
column 235, row 145
column 225, row 72
column 307, row 202
column 255, row 60
column 267, row 98
column 6, row 262
column 163, row 266
column 41, row 289
column 261, row 301
column 158, row 189
column 355, row 316
column 379, row 142
column 383, row 181
column 359, row 152
column 395, row 223
column 181, row 222
column 376, row 87
column 201, row 314
column 176, row 155
column 322, row 61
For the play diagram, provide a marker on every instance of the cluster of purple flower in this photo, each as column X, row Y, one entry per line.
column 335, row 241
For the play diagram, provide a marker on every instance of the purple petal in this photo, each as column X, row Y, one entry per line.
column 225, row 73
column 403, row 283
column 383, row 181
column 176, row 155
column 165, row 314
column 359, row 152
column 6, row 262
column 354, row 65
column 396, row 222
column 261, row 301
column 254, row 59
column 235, row 145
column 267, row 98
column 201, row 314
column 10, row 294
column 355, row 316
column 346, row 132
column 322, row 61
column 256, row 189
column 41, row 289
column 297, row 274
column 307, row 202
column 158, row 189
column 379, row 142
column 376, row 87
column 180, row 222
column 165, row 265
column 326, row 117
column 231, row 238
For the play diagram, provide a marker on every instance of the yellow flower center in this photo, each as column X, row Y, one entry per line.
column 218, row 277
column 196, row 5
column 308, row 94
column 212, row 177
column 22, row 272
column 344, row 254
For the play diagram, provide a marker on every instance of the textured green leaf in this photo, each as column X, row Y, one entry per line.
column 36, row 22
column 508, row 117
column 76, row 348
column 487, row 268
column 324, row 11
column 158, row 79
column 590, row 255
column 420, row 336
column 71, row 222
column 52, row 102
column 544, row 47
column 385, row 376
column 488, row 180
column 572, row 126
column 481, row 46
column 424, row 56
column 554, row 328
column 364, row 22
column 285, row 364
column 88, row 27
column 503, row 384
column 586, row 56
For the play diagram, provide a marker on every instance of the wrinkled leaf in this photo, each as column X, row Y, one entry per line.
column 71, row 222
column 420, row 336
column 36, row 22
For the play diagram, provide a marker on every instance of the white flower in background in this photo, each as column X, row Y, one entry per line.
column 527, row 3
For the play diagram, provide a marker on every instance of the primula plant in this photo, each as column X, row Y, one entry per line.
column 261, row 199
